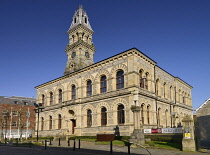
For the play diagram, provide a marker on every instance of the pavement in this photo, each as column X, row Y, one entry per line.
column 87, row 148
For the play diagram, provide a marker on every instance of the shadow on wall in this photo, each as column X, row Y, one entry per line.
column 202, row 131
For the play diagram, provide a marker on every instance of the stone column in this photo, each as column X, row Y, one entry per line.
column 137, row 136
column 188, row 141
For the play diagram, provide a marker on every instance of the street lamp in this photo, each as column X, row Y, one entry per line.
column 38, row 110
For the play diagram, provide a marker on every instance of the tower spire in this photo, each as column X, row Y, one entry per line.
column 80, row 50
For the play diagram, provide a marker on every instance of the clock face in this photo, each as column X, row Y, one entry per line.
column 73, row 54
column 87, row 54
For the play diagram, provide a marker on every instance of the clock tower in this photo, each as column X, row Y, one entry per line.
column 80, row 50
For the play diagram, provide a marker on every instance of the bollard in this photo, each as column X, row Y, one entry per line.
column 79, row 143
column 68, row 142
column 129, row 148
column 45, row 144
column 59, row 141
column 111, row 147
column 74, row 145
column 30, row 144
column 17, row 142
column 50, row 141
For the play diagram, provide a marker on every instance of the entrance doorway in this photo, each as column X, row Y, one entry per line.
column 73, row 121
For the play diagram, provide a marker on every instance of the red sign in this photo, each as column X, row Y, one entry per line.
column 156, row 130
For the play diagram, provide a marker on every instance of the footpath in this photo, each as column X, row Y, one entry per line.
column 87, row 148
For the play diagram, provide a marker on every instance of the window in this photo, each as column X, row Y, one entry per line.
column 27, row 124
column 89, row 118
column 42, row 123
column 5, row 112
column 15, row 113
column 89, row 88
column 170, row 93
column 85, row 20
column 142, row 113
column 43, row 98
column 75, row 20
column 166, row 117
column 148, row 114
column 103, row 84
column 120, row 114
column 51, row 98
column 120, row 79
column 50, row 123
column 4, row 123
column 103, row 116
column 159, row 116
column 60, row 97
column 15, row 102
column 164, row 90
column 156, row 87
column 25, row 103
column 27, row 113
column 59, row 121
column 14, row 124
column 141, row 79
column 73, row 92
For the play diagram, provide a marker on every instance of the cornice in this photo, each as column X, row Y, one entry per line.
column 78, row 43
column 79, row 26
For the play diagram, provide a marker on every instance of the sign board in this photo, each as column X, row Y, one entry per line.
column 171, row 130
column 187, row 135
column 156, row 130
column 147, row 131
column 105, row 137
column 163, row 130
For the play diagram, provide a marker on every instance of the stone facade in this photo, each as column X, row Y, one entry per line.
column 203, row 123
column 97, row 98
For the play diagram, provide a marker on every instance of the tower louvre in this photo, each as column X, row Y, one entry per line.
column 80, row 50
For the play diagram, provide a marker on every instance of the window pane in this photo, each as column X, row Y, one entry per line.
column 120, row 79
column 103, row 84
column 89, row 88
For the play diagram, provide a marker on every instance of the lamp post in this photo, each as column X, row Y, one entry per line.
column 38, row 110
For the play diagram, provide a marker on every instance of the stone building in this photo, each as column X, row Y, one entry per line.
column 97, row 97
column 17, row 116
column 203, row 123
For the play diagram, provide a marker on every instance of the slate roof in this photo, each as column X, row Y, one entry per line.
column 17, row 100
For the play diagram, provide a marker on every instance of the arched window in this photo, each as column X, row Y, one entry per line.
column 89, row 118
column 51, row 98
column 171, row 92
column 85, row 20
column 43, row 98
column 141, row 78
column 142, row 113
column 183, row 97
column 50, row 122
column 159, row 116
column 120, row 114
column 75, row 20
column 103, row 116
column 103, row 84
column 89, row 88
column 60, row 96
column 146, row 81
column 73, row 92
column 166, row 118
column 42, row 123
column 59, row 121
column 120, row 79
column 148, row 114
column 164, row 90
column 157, row 87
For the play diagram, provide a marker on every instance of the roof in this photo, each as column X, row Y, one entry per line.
column 17, row 100
column 207, row 101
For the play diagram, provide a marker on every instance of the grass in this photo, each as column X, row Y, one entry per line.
column 167, row 145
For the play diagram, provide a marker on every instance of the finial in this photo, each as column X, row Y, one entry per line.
column 80, row 6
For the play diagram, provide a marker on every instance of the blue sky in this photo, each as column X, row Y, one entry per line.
column 174, row 33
